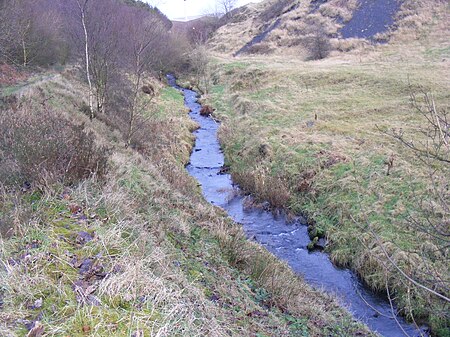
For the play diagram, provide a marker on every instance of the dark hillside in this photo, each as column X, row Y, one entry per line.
column 371, row 18
column 300, row 24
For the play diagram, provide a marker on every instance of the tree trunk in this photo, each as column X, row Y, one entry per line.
column 131, row 122
column 86, row 44
column 25, row 56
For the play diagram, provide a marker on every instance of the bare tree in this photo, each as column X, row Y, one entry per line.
column 145, row 33
column 5, row 33
column 227, row 6
column 30, row 32
column 436, row 132
column 200, row 66
column 104, row 42
column 429, row 143
column 83, row 9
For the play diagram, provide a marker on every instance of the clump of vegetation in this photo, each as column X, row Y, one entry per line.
column 318, row 45
column 40, row 146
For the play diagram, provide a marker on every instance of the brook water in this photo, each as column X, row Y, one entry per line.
column 287, row 240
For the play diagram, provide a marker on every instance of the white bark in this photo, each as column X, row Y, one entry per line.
column 82, row 8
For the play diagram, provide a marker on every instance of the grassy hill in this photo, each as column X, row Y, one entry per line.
column 325, row 143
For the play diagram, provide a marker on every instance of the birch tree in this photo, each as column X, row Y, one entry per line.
column 83, row 9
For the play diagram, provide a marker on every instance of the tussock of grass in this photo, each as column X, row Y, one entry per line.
column 141, row 252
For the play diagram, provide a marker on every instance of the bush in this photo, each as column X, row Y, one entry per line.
column 318, row 45
column 39, row 146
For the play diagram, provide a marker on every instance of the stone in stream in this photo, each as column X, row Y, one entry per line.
column 206, row 110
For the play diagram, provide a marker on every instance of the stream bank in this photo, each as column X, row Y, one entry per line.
column 286, row 239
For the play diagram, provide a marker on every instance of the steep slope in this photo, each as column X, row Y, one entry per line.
column 291, row 26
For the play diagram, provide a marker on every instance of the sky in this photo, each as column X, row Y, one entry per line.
column 177, row 9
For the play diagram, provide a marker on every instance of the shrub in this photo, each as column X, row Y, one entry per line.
column 39, row 146
column 318, row 45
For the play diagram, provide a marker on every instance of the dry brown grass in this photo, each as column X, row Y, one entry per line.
column 338, row 107
column 164, row 262
column 412, row 23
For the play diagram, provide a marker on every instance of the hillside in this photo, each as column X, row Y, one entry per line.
column 295, row 27
column 347, row 141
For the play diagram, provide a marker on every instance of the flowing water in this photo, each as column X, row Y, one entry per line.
column 287, row 240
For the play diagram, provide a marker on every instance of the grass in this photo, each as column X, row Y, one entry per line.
column 322, row 122
column 141, row 251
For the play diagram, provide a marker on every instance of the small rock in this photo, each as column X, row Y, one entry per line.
column 265, row 206
column 224, row 169
column 26, row 186
column 83, row 237
column 28, row 324
column 37, row 304
column 86, row 266
column 214, row 298
column 321, row 243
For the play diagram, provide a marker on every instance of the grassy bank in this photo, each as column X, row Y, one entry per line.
column 137, row 251
column 322, row 144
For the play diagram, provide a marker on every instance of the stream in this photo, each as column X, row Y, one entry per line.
column 287, row 240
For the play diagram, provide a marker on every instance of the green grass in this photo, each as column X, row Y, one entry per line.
column 322, row 122
column 174, row 265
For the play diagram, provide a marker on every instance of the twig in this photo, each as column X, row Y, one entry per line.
column 445, row 298
column 392, row 309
